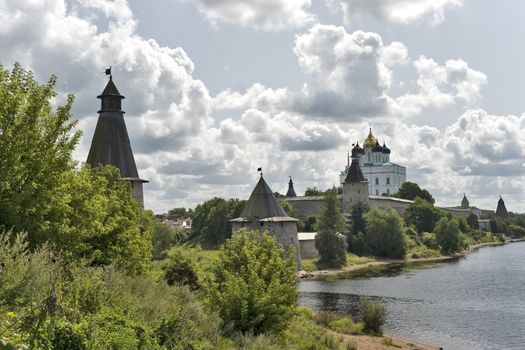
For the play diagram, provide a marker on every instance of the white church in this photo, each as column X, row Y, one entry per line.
column 383, row 176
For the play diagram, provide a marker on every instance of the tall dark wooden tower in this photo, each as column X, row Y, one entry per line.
column 110, row 144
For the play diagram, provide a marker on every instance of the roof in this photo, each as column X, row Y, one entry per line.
column 395, row 199
column 291, row 191
column 501, row 210
column 262, row 203
column 306, row 236
column 110, row 90
column 354, row 172
column 110, row 144
column 370, row 140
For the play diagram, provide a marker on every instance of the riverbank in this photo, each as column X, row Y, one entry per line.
column 386, row 342
column 379, row 263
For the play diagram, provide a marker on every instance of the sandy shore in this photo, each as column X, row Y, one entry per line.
column 387, row 342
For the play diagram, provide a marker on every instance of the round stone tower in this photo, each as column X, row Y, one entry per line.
column 355, row 186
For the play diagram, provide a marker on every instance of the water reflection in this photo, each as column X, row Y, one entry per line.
column 472, row 303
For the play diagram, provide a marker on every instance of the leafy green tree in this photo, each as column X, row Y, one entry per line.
column 182, row 212
column 411, row 190
column 385, row 233
column 423, row 215
column 313, row 191
column 472, row 221
column 181, row 268
column 254, row 288
column 463, row 224
column 448, row 235
column 330, row 225
column 210, row 226
column 36, row 143
column 163, row 237
column 288, row 208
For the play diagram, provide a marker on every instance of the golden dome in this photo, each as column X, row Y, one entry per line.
column 370, row 140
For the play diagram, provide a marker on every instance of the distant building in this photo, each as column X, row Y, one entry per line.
column 501, row 210
column 263, row 212
column 110, row 144
column 383, row 176
column 178, row 223
column 291, row 191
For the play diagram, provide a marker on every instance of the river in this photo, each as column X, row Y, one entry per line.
column 476, row 302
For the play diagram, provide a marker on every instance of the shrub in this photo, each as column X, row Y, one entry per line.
column 254, row 287
column 66, row 336
column 448, row 235
column 181, row 269
column 429, row 239
column 373, row 315
column 385, row 233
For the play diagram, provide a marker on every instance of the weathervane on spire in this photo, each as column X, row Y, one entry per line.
column 108, row 72
column 260, row 170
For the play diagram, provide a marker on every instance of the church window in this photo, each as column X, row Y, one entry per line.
column 377, row 181
column 291, row 239
column 377, row 192
column 368, row 156
column 388, row 191
column 388, row 181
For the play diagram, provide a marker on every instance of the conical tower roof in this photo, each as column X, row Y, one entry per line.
column 501, row 210
column 262, row 203
column 464, row 202
column 110, row 144
column 291, row 190
column 354, row 172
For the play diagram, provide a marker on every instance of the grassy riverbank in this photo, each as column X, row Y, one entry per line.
column 363, row 266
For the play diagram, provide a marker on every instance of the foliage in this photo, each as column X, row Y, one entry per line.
column 423, row 215
column 463, row 224
column 254, row 288
column 448, row 235
column 385, row 233
column 308, row 224
column 211, row 226
column 36, row 144
column 472, row 221
column 429, row 239
column 181, row 269
column 498, row 225
column 163, row 237
column 516, row 231
column 98, row 219
column 46, row 303
column 181, row 212
column 358, row 222
column 411, row 190
column 288, row 208
column 313, row 191
column 373, row 315
column 330, row 225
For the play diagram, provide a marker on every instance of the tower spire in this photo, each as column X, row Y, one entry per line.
column 291, row 190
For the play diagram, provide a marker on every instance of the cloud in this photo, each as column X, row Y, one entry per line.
column 270, row 15
column 397, row 11
column 349, row 77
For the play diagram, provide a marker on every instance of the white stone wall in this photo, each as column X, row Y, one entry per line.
column 137, row 192
column 384, row 178
column 308, row 250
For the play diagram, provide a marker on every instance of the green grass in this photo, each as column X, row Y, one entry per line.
column 311, row 265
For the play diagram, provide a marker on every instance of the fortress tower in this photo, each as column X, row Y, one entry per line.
column 355, row 186
column 263, row 212
column 110, row 144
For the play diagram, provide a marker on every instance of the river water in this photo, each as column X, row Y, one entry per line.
column 477, row 302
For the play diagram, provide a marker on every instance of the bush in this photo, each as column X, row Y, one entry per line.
column 254, row 287
column 163, row 237
column 429, row 239
column 386, row 233
column 448, row 235
column 373, row 315
column 181, row 269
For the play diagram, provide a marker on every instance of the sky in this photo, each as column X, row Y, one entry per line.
column 217, row 88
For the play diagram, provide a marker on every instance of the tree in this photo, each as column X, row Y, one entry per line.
column 181, row 212
column 313, row 191
column 211, row 226
column 423, row 215
column 385, row 233
column 472, row 221
column 411, row 190
column 288, row 208
column 330, row 225
column 254, row 288
column 448, row 235
column 36, row 143
column 163, row 237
